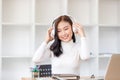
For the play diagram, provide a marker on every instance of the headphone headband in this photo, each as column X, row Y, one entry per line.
column 53, row 24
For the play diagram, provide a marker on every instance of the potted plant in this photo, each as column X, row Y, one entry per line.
column 35, row 72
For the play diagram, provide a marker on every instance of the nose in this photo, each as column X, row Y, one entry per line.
column 63, row 33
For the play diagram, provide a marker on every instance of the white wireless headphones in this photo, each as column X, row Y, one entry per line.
column 74, row 29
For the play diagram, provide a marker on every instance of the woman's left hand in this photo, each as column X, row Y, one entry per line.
column 80, row 29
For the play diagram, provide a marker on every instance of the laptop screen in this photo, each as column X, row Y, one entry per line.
column 113, row 71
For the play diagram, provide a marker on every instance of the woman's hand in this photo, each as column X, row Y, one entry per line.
column 80, row 29
column 48, row 36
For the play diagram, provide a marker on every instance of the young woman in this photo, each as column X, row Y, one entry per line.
column 64, row 51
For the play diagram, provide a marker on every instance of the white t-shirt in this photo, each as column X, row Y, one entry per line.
column 69, row 61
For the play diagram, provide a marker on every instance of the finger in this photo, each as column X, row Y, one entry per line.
column 50, row 29
column 76, row 25
column 79, row 25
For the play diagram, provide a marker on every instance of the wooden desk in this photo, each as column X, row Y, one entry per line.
column 54, row 79
column 24, row 78
column 81, row 78
column 36, row 78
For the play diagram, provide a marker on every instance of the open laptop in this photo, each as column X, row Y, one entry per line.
column 113, row 71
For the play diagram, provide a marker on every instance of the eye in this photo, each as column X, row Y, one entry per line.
column 58, row 31
column 66, row 28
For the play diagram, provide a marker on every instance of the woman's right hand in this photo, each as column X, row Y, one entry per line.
column 48, row 36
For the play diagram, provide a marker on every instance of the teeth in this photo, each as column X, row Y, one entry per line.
column 65, row 37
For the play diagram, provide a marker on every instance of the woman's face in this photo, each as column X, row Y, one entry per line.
column 64, row 30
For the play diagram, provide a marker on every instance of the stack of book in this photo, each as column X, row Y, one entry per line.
column 65, row 77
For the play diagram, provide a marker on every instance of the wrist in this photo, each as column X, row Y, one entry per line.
column 47, row 41
column 82, row 34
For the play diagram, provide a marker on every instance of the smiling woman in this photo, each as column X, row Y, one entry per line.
column 63, row 49
column 64, row 31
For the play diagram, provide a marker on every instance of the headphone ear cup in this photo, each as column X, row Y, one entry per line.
column 74, row 29
column 53, row 33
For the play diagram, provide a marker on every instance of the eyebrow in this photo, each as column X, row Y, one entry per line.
column 63, row 27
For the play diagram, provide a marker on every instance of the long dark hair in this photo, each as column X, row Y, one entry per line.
column 56, row 46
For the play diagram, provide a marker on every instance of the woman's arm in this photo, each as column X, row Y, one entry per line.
column 84, row 51
column 83, row 47
column 43, row 51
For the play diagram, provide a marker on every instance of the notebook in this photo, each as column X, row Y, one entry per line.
column 113, row 71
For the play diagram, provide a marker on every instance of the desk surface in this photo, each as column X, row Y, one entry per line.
column 56, row 79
